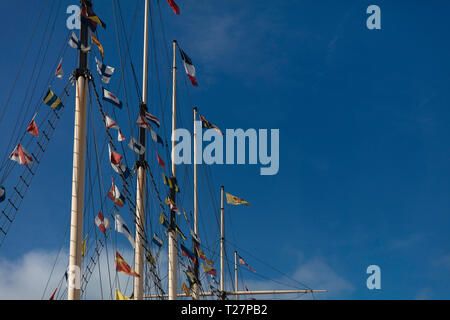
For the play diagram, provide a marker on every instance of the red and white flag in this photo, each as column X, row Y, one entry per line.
column 111, row 124
column 143, row 123
column 152, row 118
column 189, row 67
column 32, row 128
column 116, row 163
column 21, row 156
column 102, row 222
column 59, row 73
column 241, row 261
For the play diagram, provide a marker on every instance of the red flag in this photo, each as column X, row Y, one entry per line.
column 115, row 158
column 174, row 6
column 59, row 73
column 53, row 295
column 32, row 128
column 123, row 266
column 160, row 161
column 21, row 156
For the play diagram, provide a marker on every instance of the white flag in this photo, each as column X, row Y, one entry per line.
column 136, row 146
column 105, row 71
column 122, row 228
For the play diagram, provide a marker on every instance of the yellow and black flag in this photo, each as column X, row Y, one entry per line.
column 208, row 125
column 90, row 18
column 171, row 183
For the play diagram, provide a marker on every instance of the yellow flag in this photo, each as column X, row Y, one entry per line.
column 235, row 200
column 121, row 296
column 83, row 247
column 97, row 43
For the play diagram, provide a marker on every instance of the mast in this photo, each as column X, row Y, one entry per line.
column 244, row 293
column 78, row 168
column 173, row 245
column 141, row 167
column 222, row 245
column 235, row 274
column 195, row 290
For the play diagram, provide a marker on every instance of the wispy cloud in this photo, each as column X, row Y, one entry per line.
column 314, row 273
column 25, row 278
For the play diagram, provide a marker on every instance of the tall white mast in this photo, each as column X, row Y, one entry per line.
column 141, row 167
column 78, row 171
column 195, row 289
column 222, row 245
column 173, row 245
column 235, row 274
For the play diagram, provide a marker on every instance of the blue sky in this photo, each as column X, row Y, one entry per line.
column 362, row 116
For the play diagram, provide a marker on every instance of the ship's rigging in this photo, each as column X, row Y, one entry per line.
column 151, row 201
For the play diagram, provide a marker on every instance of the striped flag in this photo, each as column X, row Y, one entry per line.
column 152, row 118
column 105, row 71
column 122, row 228
column 97, row 43
column 102, row 222
column 209, row 270
column 123, row 266
column 241, row 261
column 156, row 240
column 21, row 156
column 136, row 146
column 76, row 44
column 52, row 100
column 155, row 137
column 189, row 67
column 171, row 182
column 143, row 123
column 110, row 97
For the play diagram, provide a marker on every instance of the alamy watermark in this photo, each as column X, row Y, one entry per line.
column 73, row 21
column 235, row 139
column 374, row 280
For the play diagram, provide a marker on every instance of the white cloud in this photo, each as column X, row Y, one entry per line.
column 315, row 273
column 25, row 278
